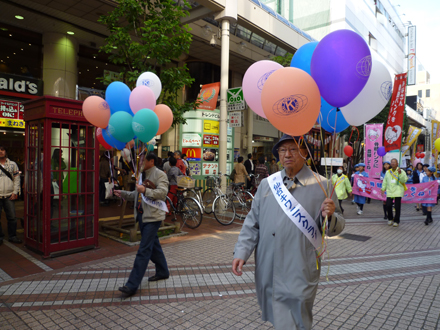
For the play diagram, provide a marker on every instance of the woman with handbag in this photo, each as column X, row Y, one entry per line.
column 240, row 172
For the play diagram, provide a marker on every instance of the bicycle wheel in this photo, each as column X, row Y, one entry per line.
column 190, row 212
column 208, row 198
column 224, row 210
column 243, row 203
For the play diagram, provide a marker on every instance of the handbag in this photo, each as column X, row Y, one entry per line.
column 232, row 175
column 56, row 190
column 109, row 190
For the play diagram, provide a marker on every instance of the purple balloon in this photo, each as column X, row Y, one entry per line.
column 381, row 151
column 341, row 65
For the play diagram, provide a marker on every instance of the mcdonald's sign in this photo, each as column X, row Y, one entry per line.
column 193, row 154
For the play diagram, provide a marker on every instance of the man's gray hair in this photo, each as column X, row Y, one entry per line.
column 178, row 152
column 395, row 160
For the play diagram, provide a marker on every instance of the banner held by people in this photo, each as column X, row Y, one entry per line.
column 373, row 141
column 416, row 193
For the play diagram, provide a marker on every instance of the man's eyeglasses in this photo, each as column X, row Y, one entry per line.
column 282, row 150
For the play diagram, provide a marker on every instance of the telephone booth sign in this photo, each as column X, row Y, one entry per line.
column 61, row 182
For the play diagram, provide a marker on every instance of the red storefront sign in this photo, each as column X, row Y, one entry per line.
column 193, row 154
column 210, row 140
column 11, row 110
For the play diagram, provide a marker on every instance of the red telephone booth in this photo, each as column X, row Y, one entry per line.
column 61, row 177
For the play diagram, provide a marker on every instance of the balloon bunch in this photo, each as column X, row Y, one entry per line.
column 125, row 115
column 334, row 81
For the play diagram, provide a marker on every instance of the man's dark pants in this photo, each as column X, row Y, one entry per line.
column 397, row 206
column 8, row 205
column 149, row 249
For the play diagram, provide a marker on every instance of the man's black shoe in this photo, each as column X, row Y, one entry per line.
column 128, row 292
column 15, row 239
column 157, row 278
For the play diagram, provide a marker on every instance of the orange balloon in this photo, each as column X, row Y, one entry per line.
column 291, row 101
column 97, row 111
column 165, row 116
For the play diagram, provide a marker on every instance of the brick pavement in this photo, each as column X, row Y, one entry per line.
column 388, row 280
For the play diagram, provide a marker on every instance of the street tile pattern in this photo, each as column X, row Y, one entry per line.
column 391, row 281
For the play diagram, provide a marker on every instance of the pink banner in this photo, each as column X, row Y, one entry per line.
column 416, row 193
column 373, row 141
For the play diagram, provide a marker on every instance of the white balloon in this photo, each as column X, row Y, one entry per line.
column 126, row 154
column 152, row 142
column 151, row 80
column 373, row 97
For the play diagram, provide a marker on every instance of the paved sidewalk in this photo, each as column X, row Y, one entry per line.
column 380, row 277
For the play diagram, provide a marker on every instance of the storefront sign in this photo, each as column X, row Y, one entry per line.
column 193, row 154
column 236, row 99
column 11, row 110
column 14, row 123
column 210, row 155
column 195, row 168
column 210, row 168
column 210, row 140
column 211, row 126
column 191, row 140
column 235, row 119
column 208, row 96
column 20, row 84
column 412, row 55
column 210, row 115
column 229, row 142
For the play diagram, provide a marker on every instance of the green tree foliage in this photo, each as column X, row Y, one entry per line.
column 283, row 60
column 146, row 35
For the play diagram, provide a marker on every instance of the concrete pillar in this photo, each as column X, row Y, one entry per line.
column 60, row 65
column 250, row 130
column 224, row 69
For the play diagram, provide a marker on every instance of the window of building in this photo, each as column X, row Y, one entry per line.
column 428, row 93
column 419, row 93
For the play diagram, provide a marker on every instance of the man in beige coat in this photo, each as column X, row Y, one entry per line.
column 284, row 228
column 149, row 211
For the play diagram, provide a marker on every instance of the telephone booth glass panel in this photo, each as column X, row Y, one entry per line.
column 61, row 181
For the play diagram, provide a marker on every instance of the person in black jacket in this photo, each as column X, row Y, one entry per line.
column 250, row 169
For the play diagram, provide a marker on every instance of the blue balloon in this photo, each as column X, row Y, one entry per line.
column 303, row 56
column 327, row 118
column 117, row 96
column 112, row 141
column 145, row 124
column 119, row 126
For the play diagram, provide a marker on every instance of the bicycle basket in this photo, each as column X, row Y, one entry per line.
column 210, row 182
column 185, row 182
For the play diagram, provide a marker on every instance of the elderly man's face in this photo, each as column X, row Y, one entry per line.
column 291, row 156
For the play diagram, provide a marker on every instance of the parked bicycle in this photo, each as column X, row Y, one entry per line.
column 215, row 201
column 241, row 198
column 187, row 209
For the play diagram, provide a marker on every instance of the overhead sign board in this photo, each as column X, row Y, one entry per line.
column 235, row 99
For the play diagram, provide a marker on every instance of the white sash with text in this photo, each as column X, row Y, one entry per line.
column 294, row 210
column 158, row 204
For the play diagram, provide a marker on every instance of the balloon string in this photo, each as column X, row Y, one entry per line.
column 333, row 147
column 318, row 178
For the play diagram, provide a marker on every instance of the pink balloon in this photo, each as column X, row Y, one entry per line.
column 97, row 111
column 253, row 82
column 142, row 97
